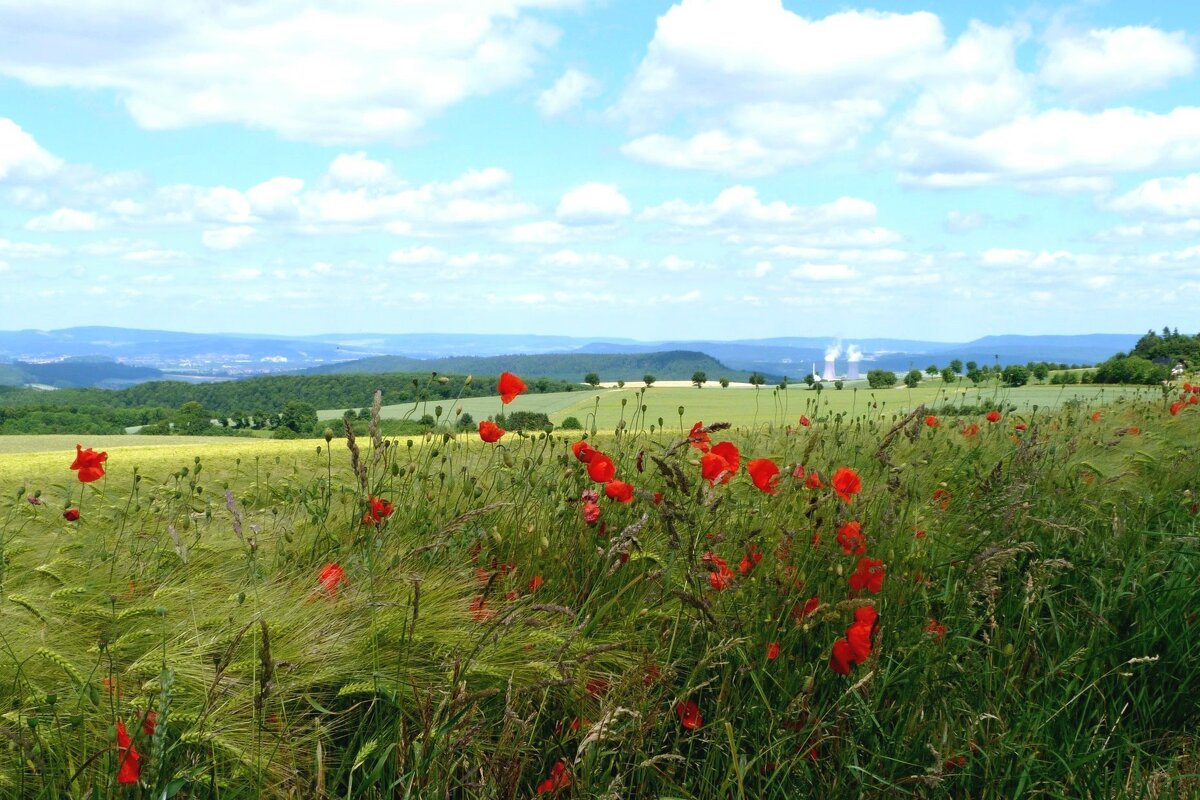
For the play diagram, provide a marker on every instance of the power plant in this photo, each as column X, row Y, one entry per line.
column 854, row 356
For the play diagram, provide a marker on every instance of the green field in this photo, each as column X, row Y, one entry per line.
column 1032, row 593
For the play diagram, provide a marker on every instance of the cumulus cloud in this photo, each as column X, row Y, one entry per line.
column 593, row 204
column 1162, row 197
column 377, row 70
column 567, row 93
column 228, row 238
column 21, row 157
column 64, row 220
column 1101, row 64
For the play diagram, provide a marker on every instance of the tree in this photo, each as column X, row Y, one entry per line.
column 699, row 379
column 592, row 379
column 620, row 384
column 193, row 420
column 648, row 379
column 298, row 416
column 932, row 370
column 723, row 381
column 956, row 365
column 972, row 366
column 949, row 375
column 838, row 384
column 809, row 379
column 1041, row 371
column 466, row 421
column 912, row 378
column 881, row 379
column 571, row 424
column 757, row 379
column 1015, row 375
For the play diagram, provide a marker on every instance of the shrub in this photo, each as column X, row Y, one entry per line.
column 571, row 424
column 881, row 379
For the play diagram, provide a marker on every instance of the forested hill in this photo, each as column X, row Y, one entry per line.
column 70, row 372
column 663, row 365
column 271, row 393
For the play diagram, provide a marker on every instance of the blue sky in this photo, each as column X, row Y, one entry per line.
column 697, row 169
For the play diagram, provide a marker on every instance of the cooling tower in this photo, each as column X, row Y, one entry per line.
column 855, row 356
column 829, row 370
column 853, row 371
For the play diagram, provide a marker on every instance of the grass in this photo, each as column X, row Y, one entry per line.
column 485, row 632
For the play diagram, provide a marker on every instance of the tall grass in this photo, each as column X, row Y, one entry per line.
column 1062, row 561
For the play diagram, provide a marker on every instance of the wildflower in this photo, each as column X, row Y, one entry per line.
column 772, row 651
column 658, row 498
column 1175, row 408
column 149, row 723
column 596, row 687
column 591, row 513
column 937, row 629
column 489, row 431
column 379, row 510
column 920, row 534
column 721, row 462
column 330, row 576
column 850, row 537
column 535, row 583
column 969, row 430
column 846, row 483
column 764, row 473
column 720, row 575
column 1193, row 399
column 931, row 421
column 71, row 514
column 805, row 421
column 130, row 760
column 941, row 499
column 993, row 416
column 689, row 715
column 749, row 560
column 1134, row 430
column 858, row 635
column 698, row 438
column 1096, row 416
column 589, row 496
column 583, row 451
column 601, row 468
column 1020, row 426
column 559, row 778
column 814, row 481
column 479, row 610
column 509, row 387
column 620, row 491
column 798, row 472
column 33, row 500
column 868, row 575
column 841, row 658
column 89, row 463
column 799, row 612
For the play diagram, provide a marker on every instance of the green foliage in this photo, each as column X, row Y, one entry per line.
column 1131, row 369
column 592, row 379
column 524, row 421
column 1015, row 375
column 571, row 424
column 756, row 379
column 724, row 381
column 912, row 378
column 838, row 384
column 932, row 370
column 881, row 378
column 648, row 379
column 949, row 375
column 1170, row 346
column 298, row 417
column 699, row 378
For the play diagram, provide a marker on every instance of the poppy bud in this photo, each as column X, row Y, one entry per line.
column 467, row 382
column 328, row 435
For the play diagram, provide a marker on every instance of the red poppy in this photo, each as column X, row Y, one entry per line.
column 772, row 651
column 1020, row 426
column 583, row 451
column 805, row 421
column 764, row 473
column 509, row 387
column 591, row 513
column 559, row 778
column 814, row 481
column 850, row 537
column 71, row 514
column 937, row 629
column 993, row 416
column 846, row 483
column 1096, row 417
column 130, row 760
column 799, row 612
column 970, row 430
column 720, row 575
column 1175, row 408
column 941, row 499
column 868, row 575
column 920, row 533
column 535, row 583
column 620, row 491
column 378, row 511
column 1193, row 399
column 841, row 657
column 720, row 463
column 479, row 610
column 601, row 468
column 489, row 431
column 596, row 687
column 658, row 498
column 89, row 463
column 698, row 438
column 149, row 723
column 330, row 576
column 750, row 559
column 1133, row 430
column 689, row 715
column 858, row 635
column 931, row 421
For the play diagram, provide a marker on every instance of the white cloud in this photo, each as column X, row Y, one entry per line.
column 22, row 158
column 1162, row 197
column 276, row 198
column 228, row 238
column 593, row 204
column 360, row 72
column 1101, row 64
column 356, row 169
column 567, row 93
column 64, row 220
column 421, row 254
column 740, row 206
column 595, row 262
column 23, row 250
column 964, row 221
column 243, row 275
column 1153, row 230
column 823, row 272
column 545, row 232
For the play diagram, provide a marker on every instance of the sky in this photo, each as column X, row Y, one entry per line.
column 718, row 169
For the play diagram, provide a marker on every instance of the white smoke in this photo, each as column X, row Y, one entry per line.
column 832, row 352
column 854, row 353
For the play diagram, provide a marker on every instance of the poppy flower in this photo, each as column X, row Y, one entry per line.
column 1134, row 430
column 583, row 451
column 1193, row 400
column 330, row 576
column 689, row 715
column 658, row 498
column 379, row 510
column 799, row 612
column 772, row 651
column 535, row 583
column 931, row 421
column 846, row 483
column 130, row 760
column 479, row 610
column 698, row 438
column 850, row 537
column 749, row 560
column 1175, row 408
column 969, row 430
column 89, row 463
column 1096, row 416
column 858, row 635
column 937, row 629
column 868, row 575
column 941, row 499
column 596, row 687
column 814, row 481
column 489, row 431
column 720, row 575
column 149, row 723
column 601, row 468
column 591, row 513
column 1020, row 426
column 841, row 657
column 509, row 387
column 993, row 416
column 764, row 473
column 620, row 491
column 71, row 514
column 559, row 778
column 720, row 463
column 805, row 421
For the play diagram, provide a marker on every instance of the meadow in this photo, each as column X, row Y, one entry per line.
column 873, row 604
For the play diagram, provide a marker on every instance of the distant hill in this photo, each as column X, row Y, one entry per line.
column 77, row 372
column 664, row 365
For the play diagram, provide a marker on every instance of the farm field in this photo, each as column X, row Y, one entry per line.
column 903, row 610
